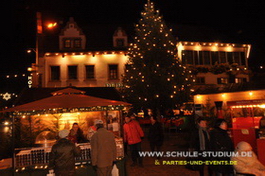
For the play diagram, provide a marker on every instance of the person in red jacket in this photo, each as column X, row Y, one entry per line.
column 133, row 135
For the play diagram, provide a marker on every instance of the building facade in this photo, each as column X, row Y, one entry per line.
column 215, row 64
column 74, row 64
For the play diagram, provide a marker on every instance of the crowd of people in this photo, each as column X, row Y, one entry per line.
column 103, row 158
column 218, row 139
column 62, row 157
column 63, row 153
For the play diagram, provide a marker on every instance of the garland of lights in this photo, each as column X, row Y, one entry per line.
column 218, row 69
column 45, row 166
column 69, row 110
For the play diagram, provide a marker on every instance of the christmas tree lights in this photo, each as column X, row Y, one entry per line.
column 154, row 77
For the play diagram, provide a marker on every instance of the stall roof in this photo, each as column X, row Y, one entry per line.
column 28, row 95
column 66, row 98
column 245, row 102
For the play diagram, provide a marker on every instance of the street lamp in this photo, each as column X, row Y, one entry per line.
column 31, row 49
column 51, row 25
column 39, row 48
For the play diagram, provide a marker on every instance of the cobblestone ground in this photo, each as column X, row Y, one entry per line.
column 174, row 141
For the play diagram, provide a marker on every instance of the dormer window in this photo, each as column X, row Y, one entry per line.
column 120, row 42
column 77, row 43
column 72, row 43
column 120, row 38
column 67, row 43
column 72, row 37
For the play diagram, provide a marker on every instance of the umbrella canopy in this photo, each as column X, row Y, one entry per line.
column 67, row 99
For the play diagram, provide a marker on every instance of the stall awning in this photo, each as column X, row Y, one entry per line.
column 67, row 98
column 246, row 102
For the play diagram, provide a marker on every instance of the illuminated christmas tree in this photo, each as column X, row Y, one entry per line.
column 154, row 77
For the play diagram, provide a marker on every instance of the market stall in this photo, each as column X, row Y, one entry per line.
column 60, row 111
column 246, row 124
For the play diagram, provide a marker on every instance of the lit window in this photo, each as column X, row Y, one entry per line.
column 230, row 58
column 215, row 58
column 90, row 71
column 237, row 57
column 222, row 80
column 67, row 43
column 240, row 80
column 55, row 73
column 222, row 57
column 243, row 58
column 113, row 71
column 206, row 57
column 200, row 80
column 198, row 58
column 120, row 42
column 72, row 72
column 77, row 43
column 187, row 57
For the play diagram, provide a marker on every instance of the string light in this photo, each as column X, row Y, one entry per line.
column 15, row 75
column 70, row 110
column 148, row 41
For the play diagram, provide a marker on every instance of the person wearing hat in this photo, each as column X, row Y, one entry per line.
column 103, row 150
column 62, row 156
column 247, row 164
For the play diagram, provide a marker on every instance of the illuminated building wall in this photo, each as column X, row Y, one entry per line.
column 89, row 69
column 233, row 104
column 229, row 96
column 212, row 56
column 73, row 64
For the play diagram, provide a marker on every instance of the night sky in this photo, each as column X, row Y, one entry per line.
column 243, row 19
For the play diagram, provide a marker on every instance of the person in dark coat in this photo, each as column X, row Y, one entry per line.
column 221, row 141
column 200, row 141
column 62, row 156
column 155, row 135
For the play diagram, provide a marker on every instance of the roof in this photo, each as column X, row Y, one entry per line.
column 100, row 36
column 32, row 94
column 67, row 98
column 68, row 91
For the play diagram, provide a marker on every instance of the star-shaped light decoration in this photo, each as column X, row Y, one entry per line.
column 6, row 96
